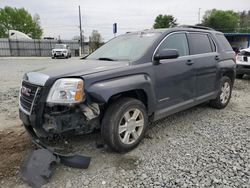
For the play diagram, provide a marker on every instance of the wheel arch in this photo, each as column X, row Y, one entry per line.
column 230, row 74
column 135, row 86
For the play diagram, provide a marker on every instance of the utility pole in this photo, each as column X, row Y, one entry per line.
column 199, row 16
column 80, row 23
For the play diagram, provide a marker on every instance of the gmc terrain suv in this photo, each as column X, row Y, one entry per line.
column 133, row 79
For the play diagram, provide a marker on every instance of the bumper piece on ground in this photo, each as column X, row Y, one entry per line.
column 36, row 170
column 75, row 161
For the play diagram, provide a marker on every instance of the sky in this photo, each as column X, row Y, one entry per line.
column 61, row 18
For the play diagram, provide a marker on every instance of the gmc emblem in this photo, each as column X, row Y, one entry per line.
column 25, row 91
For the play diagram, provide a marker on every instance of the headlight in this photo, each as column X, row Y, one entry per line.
column 53, row 51
column 66, row 91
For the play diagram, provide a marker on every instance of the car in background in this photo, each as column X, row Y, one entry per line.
column 61, row 50
column 243, row 63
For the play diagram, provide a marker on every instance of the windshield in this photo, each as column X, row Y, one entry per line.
column 60, row 46
column 125, row 47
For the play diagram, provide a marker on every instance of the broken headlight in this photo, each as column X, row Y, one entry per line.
column 66, row 91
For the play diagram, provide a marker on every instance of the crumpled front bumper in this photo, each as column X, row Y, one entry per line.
column 75, row 161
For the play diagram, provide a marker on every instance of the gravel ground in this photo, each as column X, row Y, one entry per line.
column 199, row 147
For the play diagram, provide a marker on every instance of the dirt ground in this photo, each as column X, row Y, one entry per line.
column 14, row 146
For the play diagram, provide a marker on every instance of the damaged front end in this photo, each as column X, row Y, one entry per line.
column 77, row 119
column 48, row 108
column 58, row 108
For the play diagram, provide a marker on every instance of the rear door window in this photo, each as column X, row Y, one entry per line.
column 200, row 43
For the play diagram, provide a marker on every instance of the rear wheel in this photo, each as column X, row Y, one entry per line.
column 124, row 124
column 224, row 95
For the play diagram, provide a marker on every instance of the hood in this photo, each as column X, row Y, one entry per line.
column 71, row 69
column 82, row 67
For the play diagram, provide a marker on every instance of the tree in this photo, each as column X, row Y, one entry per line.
column 165, row 21
column 95, row 40
column 21, row 20
column 224, row 21
column 244, row 24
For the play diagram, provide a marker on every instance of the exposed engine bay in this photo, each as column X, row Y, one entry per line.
column 79, row 119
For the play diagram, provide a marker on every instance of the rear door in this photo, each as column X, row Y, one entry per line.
column 205, row 57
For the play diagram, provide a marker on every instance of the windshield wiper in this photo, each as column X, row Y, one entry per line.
column 106, row 59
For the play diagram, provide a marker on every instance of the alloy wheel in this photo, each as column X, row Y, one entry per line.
column 225, row 92
column 131, row 126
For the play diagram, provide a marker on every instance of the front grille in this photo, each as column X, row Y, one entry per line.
column 29, row 95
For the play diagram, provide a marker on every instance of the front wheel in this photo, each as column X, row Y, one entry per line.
column 224, row 94
column 124, row 124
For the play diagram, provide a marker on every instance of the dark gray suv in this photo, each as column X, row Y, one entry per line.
column 133, row 79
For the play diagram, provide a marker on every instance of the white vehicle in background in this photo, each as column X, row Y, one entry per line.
column 243, row 63
column 61, row 50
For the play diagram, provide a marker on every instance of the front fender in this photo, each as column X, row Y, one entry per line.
column 102, row 91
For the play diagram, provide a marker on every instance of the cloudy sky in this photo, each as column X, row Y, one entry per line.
column 61, row 17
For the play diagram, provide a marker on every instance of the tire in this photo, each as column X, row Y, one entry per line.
column 119, row 116
column 239, row 76
column 224, row 94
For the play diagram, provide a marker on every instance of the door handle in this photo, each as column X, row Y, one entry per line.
column 217, row 58
column 189, row 62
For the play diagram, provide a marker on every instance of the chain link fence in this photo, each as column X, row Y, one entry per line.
column 34, row 47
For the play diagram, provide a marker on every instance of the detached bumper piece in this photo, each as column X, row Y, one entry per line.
column 36, row 170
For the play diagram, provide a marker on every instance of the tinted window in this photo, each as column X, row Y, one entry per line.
column 176, row 41
column 200, row 43
column 224, row 42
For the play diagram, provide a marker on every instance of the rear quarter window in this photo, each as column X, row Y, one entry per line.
column 223, row 42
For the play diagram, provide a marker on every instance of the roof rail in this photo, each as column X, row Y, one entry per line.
column 196, row 27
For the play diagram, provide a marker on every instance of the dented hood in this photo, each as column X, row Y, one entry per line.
column 83, row 67
column 71, row 69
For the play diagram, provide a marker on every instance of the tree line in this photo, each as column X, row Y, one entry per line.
column 224, row 21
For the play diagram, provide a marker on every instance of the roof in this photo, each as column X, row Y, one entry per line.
column 180, row 28
column 237, row 34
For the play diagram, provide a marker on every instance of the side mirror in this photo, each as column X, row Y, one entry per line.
column 166, row 54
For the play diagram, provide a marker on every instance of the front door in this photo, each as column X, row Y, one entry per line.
column 175, row 78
